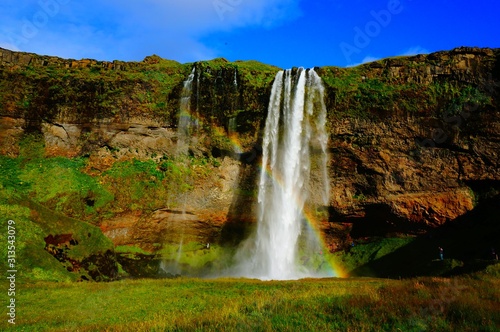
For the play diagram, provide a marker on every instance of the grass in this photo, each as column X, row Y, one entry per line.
column 33, row 224
column 34, row 192
column 460, row 304
column 71, row 186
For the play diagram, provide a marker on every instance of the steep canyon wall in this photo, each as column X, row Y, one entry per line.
column 413, row 141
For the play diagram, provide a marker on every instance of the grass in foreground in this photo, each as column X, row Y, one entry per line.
column 433, row 304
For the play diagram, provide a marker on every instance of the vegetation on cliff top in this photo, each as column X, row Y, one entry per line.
column 358, row 93
column 150, row 88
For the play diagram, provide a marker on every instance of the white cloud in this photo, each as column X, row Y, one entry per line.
column 414, row 51
column 409, row 52
column 366, row 59
column 129, row 29
column 201, row 16
column 369, row 58
column 9, row 46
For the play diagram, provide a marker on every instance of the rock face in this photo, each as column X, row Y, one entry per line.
column 411, row 168
column 414, row 141
column 402, row 183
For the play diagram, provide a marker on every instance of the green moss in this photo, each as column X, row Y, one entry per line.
column 364, row 253
column 492, row 271
column 60, row 182
column 33, row 262
column 10, row 172
column 28, row 182
column 62, row 185
column 133, row 168
column 131, row 249
column 148, row 185
column 357, row 93
column 92, row 92
column 256, row 74
column 454, row 99
column 195, row 257
column 57, row 182
column 90, row 238
column 31, row 147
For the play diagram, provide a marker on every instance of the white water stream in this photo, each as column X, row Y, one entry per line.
column 295, row 122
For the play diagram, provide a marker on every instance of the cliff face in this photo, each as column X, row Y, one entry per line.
column 81, row 106
column 413, row 144
column 421, row 147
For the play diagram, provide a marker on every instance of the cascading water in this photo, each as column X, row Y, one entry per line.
column 185, row 128
column 185, row 124
column 282, row 246
column 232, row 127
column 170, row 267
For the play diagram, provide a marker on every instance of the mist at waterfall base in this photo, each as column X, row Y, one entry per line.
column 292, row 184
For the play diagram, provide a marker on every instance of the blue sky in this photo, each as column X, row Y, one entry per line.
column 284, row 33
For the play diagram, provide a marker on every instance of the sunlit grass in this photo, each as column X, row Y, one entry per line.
column 251, row 305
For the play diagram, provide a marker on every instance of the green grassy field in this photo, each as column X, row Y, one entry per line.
column 468, row 303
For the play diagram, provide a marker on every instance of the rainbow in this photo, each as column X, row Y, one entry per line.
column 334, row 269
column 233, row 139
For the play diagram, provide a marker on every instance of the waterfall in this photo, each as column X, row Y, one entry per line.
column 173, row 268
column 283, row 246
column 197, row 97
column 232, row 127
column 185, row 125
